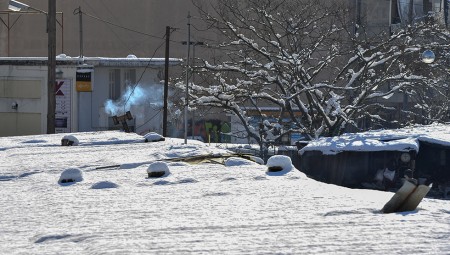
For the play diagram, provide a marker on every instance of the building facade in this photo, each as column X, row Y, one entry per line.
column 89, row 92
column 116, row 29
column 110, row 28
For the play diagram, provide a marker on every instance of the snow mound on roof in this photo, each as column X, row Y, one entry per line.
column 236, row 161
column 71, row 175
column 335, row 145
column 104, row 185
column 70, row 140
column 403, row 139
column 279, row 165
column 178, row 164
column 153, row 137
column 258, row 160
column 158, row 169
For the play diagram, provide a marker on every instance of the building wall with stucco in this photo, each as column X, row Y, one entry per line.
column 145, row 23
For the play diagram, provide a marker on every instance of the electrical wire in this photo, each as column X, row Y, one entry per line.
column 137, row 83
column 138, row 32
column 120, row 26
column 160, row 109
column 142, row 74
column 174, row 25
column 149, row 62
column 119, row 39
column 199, row 38
column 125, row 28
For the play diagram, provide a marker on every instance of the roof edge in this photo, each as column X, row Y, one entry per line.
column 63, row 60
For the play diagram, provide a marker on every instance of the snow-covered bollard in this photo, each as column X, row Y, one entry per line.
column 71, row 175
column 258, row 160
column 69, row 140
column 236, row 161
column 104, row 185
column 153, row 137
column 158, row 169
column 278, row 163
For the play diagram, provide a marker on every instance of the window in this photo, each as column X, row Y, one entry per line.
column 114, row 84
column 407, row 11
column 395, row 16
column 130, row 77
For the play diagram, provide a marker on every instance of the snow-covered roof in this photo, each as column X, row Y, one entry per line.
column 200, row 208
column 62, row 59
column 265, row 108
column 404, row 139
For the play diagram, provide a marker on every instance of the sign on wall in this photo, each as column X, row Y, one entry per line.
column 63, row 94
column 84, row 79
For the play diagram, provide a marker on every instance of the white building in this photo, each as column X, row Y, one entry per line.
column 81, row 100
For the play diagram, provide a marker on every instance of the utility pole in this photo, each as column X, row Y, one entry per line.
column 193, row 80
column 51, row 58
column 193, row 75
column 166, row 81
column 80, row 15
column 51, row 61
column 187, row 79
column 80, row 24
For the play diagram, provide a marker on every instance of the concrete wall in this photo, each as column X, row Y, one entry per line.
column 27, row 86
column 376, row 15
column 28, row 92
column 147, row 114
column 83, row 111
column 28, row 36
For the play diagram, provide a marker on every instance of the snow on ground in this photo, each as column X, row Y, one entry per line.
column 204, row 208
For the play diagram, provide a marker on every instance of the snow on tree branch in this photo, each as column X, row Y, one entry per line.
column 302, row 58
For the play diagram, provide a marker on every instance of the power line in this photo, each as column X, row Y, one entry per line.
column 159, row 111
column 112, row 30
column 148, row 64
column 146, row 67
column 174, row 25
column 119, row 39
column 169, row 30
column 198, row 38
column 119, row 26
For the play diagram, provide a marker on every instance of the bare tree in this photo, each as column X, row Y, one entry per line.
column 312, row 62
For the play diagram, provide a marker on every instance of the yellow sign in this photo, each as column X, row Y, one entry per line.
column 84, row 80
column 84, row 86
